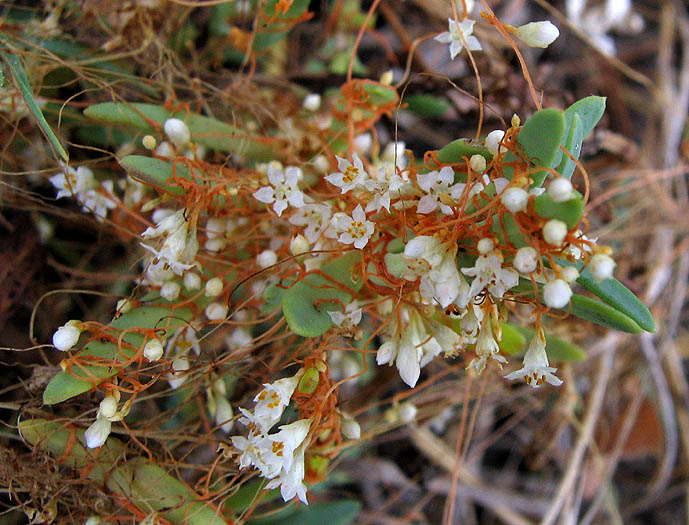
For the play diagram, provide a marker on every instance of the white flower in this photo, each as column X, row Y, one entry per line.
column 316, row 218
column 602, row 266
column 384, row 186
column 537, row 34
column 557, row 293
column 270, row 403
column 440, row 190
column 353, row 230
column 428, row 258
column 486, row 348
column 458, row 36
column 348, row 319
column 82, row 185
column 488, row 273
column 179, row 247
column 312, row 102
column 67, row 335
column 97, row 433
column 283, row 189
column 536, row 370
column 179, row 368
column 350, row 175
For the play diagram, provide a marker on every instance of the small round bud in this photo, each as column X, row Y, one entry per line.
column 407, row 412
column 485, row 245
column 216, row 244
column 602, row 266
column 515, row 121
column 526, row 260
column 177, row 131
column 93, row 520
column 493, row 140
column 387, row 77
column 123, row 306
column 66, row 336
column 224, row 414
column 569, row 274
column 320, row 162
column 477, row 163
column 554, row 232
column 298, row 245
column 164, row 149
column 515, row 199
column 350, row 428
column 561, row 190
column 149, row 142
column 537, row 34
column 312, row 102
column 557, row 293
column 267, row 258
column 97, row 433
column 170, row 290
column 192, row 281
column 216, row 311
column 153, row 350
column 108, row 407
column 214, row 287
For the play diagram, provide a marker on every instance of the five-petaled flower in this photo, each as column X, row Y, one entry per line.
column 536, row 369
column 350, row 175
column 458, row 36
column 489, row 273
column 283, row 189
column 440, row 190
column 352, row 230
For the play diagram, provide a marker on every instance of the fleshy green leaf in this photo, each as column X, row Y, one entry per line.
column 512, row 341
column 569, row 212
column 82, row 377
column 616, row 295
column 247, row 494
column 454, row 152
column 427, row 106
column 603, row 314
column 573, row 144
column 22, row 82
column 209, row 132
column 341, row 512
column 380, row 94
column 556, row 348
column 589, row 111
column 156, row 171
column 305, row 305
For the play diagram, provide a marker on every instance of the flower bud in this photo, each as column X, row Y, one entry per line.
column 312, row 102
column 569, row 274
column 123, row 306
column 298, row 245
column 350, row 428
column 149, row 142
column 67, row 336
column 477, row 163
column 170, row 290
column 554, row 232
column 179, row 366
column 153, row 350
column 537, row 34
column 485, row 245
column 177, row 131
column 164, row 149
column 560, row 190
column 557, row 293
column 216, row 311
column 407, row 412
column 515, row 199
column 223, row 413
column 192, row 281
column 266, row 258
column 493, row 140
column 107, row 407
column 97, row 433
column 602, row 266
column 214, row 287
column 526, row 260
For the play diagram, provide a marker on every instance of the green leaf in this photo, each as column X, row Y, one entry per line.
column 508, row 227
column 512, row 341
column 616, row 295
column 380, row 94
column 540, row 139
column 22, row 82
column 332, row 513
column 556, row 348
column 602, row 314
column 213, row 134
column 82, row 377
column 156, row 171
column 144, row 484
column 573, row 144
column 306, row 304
column 247, row 494
column 427, row 106
column 570, row 212
column 454, row 152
